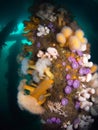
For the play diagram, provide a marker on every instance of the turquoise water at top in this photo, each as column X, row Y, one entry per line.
column 85, row 13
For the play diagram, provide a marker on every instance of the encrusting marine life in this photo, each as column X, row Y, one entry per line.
column 59, row 81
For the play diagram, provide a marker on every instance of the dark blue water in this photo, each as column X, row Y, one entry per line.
column 84, row 11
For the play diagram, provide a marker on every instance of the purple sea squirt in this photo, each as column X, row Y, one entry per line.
column 64, row 101
column 68, row 89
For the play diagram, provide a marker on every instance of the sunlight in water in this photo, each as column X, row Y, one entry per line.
column 9, row 44
column 20, row 27
column 25, row 41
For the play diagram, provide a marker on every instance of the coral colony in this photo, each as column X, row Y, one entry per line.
column 58, row 80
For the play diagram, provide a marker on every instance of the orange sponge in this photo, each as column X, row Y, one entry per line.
column 74, row 43
column 83, row 40
column 79, row 33
column 60, row 38
column 67, row 31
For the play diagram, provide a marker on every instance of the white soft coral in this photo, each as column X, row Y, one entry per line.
column 83, row 122
column 84, row 60
column 51, row 53
column 83, row 96
column 42, row 30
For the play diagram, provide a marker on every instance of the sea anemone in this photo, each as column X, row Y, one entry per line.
column 29, row 103
column 41, row 65
column 25, row 65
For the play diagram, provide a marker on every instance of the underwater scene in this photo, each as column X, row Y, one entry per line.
column 49, row 64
